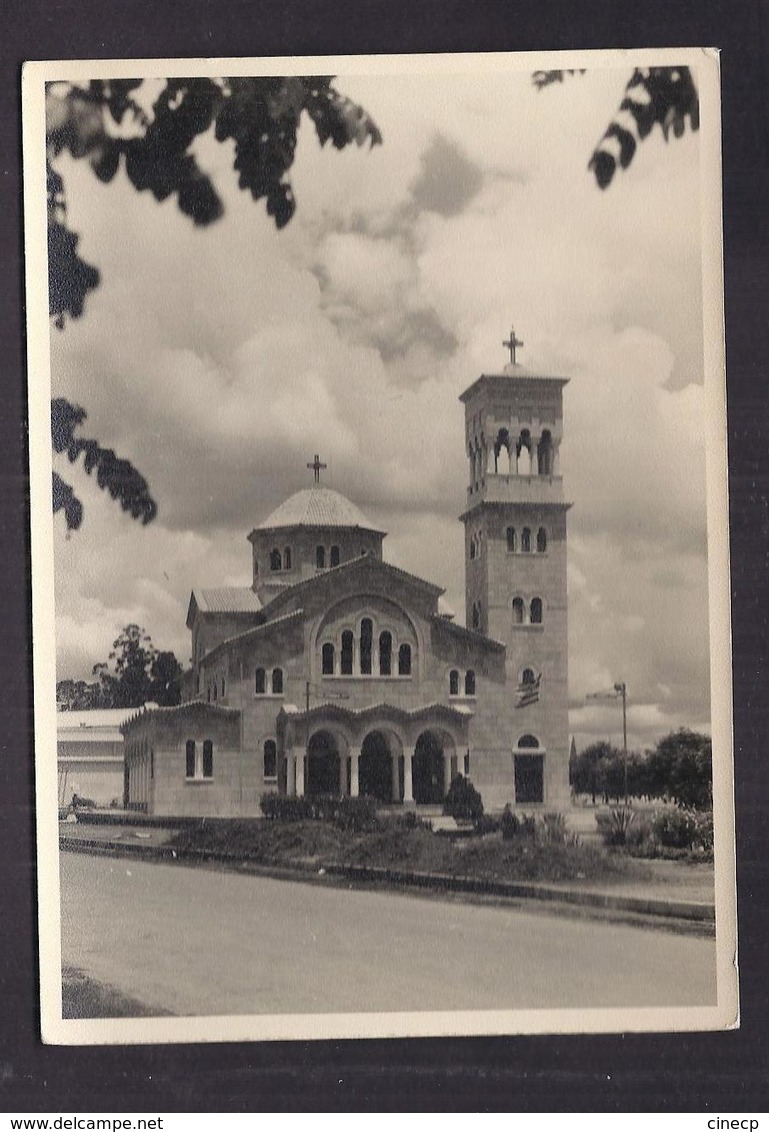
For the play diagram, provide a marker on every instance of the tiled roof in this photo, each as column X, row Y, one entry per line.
column 228, row 599
column 317, row 507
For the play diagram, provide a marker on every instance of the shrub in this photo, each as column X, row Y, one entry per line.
column 704, row 839
column 486, row 824
column 410, row 820
column 614, row 826
column 285, row 807
column 553, row 829
column 518, row 825
column 463, row 800
column 675, row 829
column 356, row 814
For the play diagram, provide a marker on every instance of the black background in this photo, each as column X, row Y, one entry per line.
column 688, row 1072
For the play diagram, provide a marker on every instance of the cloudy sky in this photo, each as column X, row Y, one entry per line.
column 220, row 360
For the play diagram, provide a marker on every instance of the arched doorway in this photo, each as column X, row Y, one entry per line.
column 428, row 769
column 322, row 764
column 375, row 767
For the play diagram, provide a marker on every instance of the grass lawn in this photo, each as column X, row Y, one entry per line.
column 392, row 844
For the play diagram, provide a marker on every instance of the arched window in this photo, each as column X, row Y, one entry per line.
column 275, row 563
column 472, row 547
column 523, row 452
column 404, row 660
column 512, row 540
column 208, row 693
column 528, row 743
column 208, row 759
column 366, row 638
column 320, row 557
column 287, row 558
column 260, row 682
column 334, row 555
column 541, row 540
column 526, row 540
column 545, row 454
column 224, row 688
column 469, row 682
column 256, row 567
column 270, row 767
column 190, row 758
column 476, row 615
column 518, row 611
column 277, row 681
column 453, row 682
column 385, row 653
column 536, row 611
column 216, row 690
column 527, row 676
column 347, row 649
column 328, row 660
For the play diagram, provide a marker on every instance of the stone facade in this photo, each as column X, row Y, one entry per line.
column 339, row 673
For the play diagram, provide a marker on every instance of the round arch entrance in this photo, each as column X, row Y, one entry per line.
column 376, row 767
column 323, row 762
column 429, row 779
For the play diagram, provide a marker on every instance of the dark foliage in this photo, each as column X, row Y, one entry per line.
column 260, row 115
column 463, row 800
column 154, row 149
column 679, row 768
column 113, row 474
column 654, row 96
column 134, row 674
column 350, row 814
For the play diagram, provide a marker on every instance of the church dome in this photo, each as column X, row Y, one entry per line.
column 316, row 507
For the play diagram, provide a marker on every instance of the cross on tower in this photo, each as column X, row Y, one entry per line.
column 317, row 467
column 511, row 344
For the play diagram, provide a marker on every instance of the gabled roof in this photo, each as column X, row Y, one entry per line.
column 471, row 636
column 317, row 507
column 191, row 707
column 224, row 599
column 256, row 631
column 365, row 562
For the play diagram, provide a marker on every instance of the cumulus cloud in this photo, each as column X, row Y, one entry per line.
column 220, row 360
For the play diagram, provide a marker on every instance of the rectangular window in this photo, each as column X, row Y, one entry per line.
column 529, row 778
column 208, row 759
column 270, row 759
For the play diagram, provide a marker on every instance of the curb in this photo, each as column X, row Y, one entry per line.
column 692, row 911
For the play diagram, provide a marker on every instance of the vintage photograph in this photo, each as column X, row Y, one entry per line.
column 379, row 546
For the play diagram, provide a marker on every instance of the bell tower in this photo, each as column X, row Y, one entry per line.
column 515, row 559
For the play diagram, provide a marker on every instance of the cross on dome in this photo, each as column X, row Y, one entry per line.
column 511, row 344
column 317, row 467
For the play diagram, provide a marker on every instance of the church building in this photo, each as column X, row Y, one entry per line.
column 336, row 672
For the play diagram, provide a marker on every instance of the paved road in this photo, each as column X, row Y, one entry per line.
column 204, row 942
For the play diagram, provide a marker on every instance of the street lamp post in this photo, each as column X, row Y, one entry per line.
column 619, row 691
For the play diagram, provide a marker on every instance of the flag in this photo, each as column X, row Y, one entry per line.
column 528, row 692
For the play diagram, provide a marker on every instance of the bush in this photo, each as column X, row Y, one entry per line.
column 463, row 800
column 285, row 807
column 80, row 803
column 518, row 826
column 704, row 821
column 487, row 824
column 675, row 829
column 553, row 829
column 615, row 826
column 356, row 814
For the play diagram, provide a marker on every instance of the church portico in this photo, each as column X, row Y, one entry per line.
column 386, row 753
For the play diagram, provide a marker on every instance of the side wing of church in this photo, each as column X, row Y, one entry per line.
column 338, row 673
